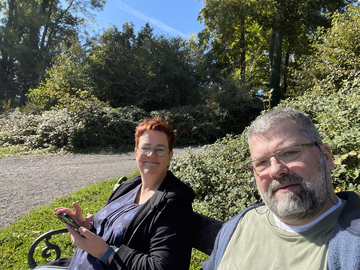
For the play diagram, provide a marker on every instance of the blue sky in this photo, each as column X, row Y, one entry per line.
column 167, row 17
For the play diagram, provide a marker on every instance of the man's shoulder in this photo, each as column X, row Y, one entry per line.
column 232, row 222
column 349, row 218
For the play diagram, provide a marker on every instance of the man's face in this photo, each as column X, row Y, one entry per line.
column 294, row 193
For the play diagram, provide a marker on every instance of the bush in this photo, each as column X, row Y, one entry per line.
column 219, row 177
column 204, row 124
column 85, row 122
column 81, row 124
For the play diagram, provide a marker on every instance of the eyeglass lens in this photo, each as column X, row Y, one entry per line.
column 160, row 151
column 285, row 156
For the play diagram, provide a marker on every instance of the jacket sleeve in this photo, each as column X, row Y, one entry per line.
column 170, row 242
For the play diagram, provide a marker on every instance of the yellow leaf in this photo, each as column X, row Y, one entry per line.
column 337, row 161
column 353, row 153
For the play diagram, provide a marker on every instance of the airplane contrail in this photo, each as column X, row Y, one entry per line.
column 153, row 21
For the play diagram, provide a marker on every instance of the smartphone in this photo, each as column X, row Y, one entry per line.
column 68, row 220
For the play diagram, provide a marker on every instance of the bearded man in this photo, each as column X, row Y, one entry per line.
column 303, row 223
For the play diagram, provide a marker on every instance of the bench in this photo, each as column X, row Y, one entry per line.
column 205, row 234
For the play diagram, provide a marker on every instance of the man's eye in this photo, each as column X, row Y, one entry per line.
column 261, row 163
column 160, row 150
column 145, row 149
column 289, row 153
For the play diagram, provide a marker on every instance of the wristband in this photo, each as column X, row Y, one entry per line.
column 107, row 254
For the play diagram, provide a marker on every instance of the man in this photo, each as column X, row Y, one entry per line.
column 302, row 223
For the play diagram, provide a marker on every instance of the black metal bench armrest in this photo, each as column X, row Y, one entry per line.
column 49, row 246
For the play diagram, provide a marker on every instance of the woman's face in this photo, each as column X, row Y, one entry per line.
column 151, row 164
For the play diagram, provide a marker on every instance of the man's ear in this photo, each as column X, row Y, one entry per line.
column 328, row 156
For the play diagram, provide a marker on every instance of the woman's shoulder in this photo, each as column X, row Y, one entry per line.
column 174, row 185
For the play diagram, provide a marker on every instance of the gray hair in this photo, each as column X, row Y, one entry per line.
column 267, row 121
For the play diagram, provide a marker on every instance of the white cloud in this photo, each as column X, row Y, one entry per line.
column 152, row 21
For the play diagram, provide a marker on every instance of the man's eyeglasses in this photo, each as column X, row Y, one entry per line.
column 160, row 151
column 286, row 156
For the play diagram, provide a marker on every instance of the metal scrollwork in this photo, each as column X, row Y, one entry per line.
column 46, row 252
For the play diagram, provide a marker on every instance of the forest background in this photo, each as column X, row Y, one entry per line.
column 64, row 91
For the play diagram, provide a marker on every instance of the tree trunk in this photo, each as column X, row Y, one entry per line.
column 275, row 68
column 243, row 53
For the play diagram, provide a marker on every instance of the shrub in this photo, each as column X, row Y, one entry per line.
column 85, row 122
column 79, row 125
column 204, row 124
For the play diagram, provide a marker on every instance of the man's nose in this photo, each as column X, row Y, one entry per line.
column 277, row 168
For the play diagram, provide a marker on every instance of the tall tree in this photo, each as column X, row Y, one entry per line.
column 336, row 53
column 123, row 68
column 30, row 35
column 277, row 21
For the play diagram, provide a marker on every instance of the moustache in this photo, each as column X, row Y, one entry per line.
column 288, row 179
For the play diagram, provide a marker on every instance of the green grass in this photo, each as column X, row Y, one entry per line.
column 16, row 238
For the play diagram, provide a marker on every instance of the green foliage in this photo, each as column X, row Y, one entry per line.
column 31, row 33
column 79, row 125
column 336, row 52
column 262, row 40
column 85, row 122
column 65, row 79
column 218, row 174
column 219, row 177
column 122, row 68
column 203, row 124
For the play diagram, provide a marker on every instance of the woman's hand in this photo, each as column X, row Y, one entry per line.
column 88, row 241
column 77, row 215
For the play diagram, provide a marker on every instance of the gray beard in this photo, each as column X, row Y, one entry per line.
column 291, row 207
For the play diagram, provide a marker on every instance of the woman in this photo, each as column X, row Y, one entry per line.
column 147, row 222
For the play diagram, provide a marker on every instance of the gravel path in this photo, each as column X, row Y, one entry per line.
column 28, row 182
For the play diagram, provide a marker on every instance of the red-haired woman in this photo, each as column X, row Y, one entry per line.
column 147, row 222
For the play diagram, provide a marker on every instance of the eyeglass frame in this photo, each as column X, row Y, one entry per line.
column 252, row 168
column 153, row 149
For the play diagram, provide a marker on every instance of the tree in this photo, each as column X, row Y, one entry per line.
column 122, row 68
column 336, row 52
column 281, row 24
column 31, row 32
column 151, row 72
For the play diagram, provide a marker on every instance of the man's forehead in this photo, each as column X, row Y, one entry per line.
column 277, row 137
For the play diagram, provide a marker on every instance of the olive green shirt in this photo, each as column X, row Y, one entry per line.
column 258, row 243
